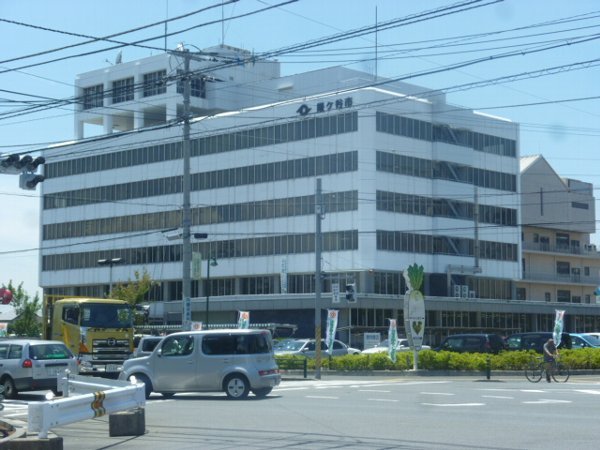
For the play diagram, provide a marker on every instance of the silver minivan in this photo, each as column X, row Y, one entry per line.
column 232, row 361
column 33, row 365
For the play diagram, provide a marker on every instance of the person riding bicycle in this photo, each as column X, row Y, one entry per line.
column 550, row 355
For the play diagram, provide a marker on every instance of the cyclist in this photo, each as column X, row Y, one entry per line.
column 550, row 355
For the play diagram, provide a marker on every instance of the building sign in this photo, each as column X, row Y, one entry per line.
column 320, row 107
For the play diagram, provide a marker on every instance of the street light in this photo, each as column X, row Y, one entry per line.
column 110, row 263
column 211, row 261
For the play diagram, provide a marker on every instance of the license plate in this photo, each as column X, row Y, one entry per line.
column 52, row 371
column 112, row 367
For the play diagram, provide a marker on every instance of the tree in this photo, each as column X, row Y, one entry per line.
column 27, row 322
column 134, row 292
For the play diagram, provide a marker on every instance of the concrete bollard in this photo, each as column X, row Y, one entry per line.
column 127, row 423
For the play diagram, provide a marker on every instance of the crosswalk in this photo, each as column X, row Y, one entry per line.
column 14, row 409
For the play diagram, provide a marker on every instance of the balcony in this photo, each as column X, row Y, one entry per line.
column 586, row 250
column 551, row 278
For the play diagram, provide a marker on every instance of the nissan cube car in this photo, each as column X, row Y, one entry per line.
column 33, row 365
column 236, row 362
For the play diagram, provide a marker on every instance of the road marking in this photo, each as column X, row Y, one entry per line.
column 497, row 396
column 322, row 397
column 381, row 400
column 374, row 390
column 535, row 391
column 453, row 404
column 588, row 391
column 291, row 389
column 437, row 393
column 546, row 402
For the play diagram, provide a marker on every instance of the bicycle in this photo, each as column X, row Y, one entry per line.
column 559, row 372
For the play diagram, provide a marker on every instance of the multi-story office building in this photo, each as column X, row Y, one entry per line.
column 406, row 178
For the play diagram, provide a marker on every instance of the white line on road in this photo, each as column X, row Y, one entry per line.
column 588, row 391
column 322, row 397
column 453, row 404
column 381, row 400
column 497, row 396
column 374, row 390
column 437, row 393
column 546, row 402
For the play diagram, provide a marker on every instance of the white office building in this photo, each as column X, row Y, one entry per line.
column 406, row 178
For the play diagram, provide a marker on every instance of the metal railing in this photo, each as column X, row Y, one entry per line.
column 95, row 397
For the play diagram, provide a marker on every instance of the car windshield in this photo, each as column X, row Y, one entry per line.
column 291, row 346
column 106, row 315
column 592, row 339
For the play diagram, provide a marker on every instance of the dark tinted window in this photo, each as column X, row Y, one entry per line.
column 3, row 351
column 236, row 344
column 49, row 351
column 15, row 352
column 149, row 344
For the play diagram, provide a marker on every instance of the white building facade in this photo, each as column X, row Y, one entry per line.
column 406, row 178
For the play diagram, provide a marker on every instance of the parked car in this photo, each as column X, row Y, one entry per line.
column 33, row 365
column 383, row 346
column 146, row 345
column 535, row 341
column 234, row 361
column 307, row 347
column 584, row 340
column 473, row 343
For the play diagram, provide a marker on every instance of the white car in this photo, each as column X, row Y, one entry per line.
column 382, row 347
column 306, row 347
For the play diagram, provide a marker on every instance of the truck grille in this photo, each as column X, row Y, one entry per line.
column 110, row 349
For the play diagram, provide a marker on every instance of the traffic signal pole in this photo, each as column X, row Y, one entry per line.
column 186, row 307
column 318, row 218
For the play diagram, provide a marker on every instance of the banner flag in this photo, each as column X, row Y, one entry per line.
column 244, row 319
column 332, row 321
column 392, row 340
column 558, row 326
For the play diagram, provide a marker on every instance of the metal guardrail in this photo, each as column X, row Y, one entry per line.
column 95, row 397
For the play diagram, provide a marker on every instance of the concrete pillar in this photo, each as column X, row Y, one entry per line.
column 127, row 423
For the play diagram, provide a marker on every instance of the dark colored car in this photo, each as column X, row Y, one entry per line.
column 473, row 343
column 535, row 341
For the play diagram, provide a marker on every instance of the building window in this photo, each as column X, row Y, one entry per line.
column 122, row 90
column 154, row 83
column 563, row 268
column 197, row 85
column 586, row 271
column 580, row 205
column 562, row 241
column 563, row 296
column 521, row 294
column 547, row 297
column 93, row 96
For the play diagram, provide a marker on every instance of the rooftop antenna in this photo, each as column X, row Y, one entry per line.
column 376, row 46
column 166, row 21
column 119, row 57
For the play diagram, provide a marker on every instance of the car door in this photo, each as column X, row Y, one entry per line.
column 217, row 356
column 339, row 348
column 175, row 365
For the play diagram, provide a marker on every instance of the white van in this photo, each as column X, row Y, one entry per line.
column 234, row 361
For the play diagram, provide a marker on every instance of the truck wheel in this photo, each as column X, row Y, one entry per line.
column 236, row 387
column 10, row 390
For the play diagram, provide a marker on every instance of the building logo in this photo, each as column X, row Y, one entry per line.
column 341, row 103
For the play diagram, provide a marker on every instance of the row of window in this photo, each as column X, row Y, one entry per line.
column 398, row 241
column 237, row 248
column 419, row 129
column 237, row 212
column 296, row 130
column 443, row 207
column 445, row 170
column 236, row 176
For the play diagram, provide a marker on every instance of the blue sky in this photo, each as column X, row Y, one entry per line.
column 566, row 133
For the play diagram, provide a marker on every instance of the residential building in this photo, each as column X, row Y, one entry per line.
column 406, row 178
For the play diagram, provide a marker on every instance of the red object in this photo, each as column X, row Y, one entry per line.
column 5, row 296
column 27, row 364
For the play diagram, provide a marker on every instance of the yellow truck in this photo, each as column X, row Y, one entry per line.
column 99, row 331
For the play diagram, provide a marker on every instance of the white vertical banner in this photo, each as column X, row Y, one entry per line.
column 244, row 319
column 392, row 340
column 335, row 292
column 558, row 326
column 283, row 282
column 196, row 265
column 332, row 321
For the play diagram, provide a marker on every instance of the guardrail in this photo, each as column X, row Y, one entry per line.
column 95, row 397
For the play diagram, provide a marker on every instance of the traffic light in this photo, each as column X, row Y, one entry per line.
column 29, row 181
column 10, row 164
column 351, row 293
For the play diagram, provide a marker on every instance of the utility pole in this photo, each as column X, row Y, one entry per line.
column 186, row 307
column 318, row 218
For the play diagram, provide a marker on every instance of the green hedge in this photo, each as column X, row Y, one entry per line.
column 588, row 358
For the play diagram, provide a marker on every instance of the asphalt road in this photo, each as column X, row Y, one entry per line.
column 368, row 413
